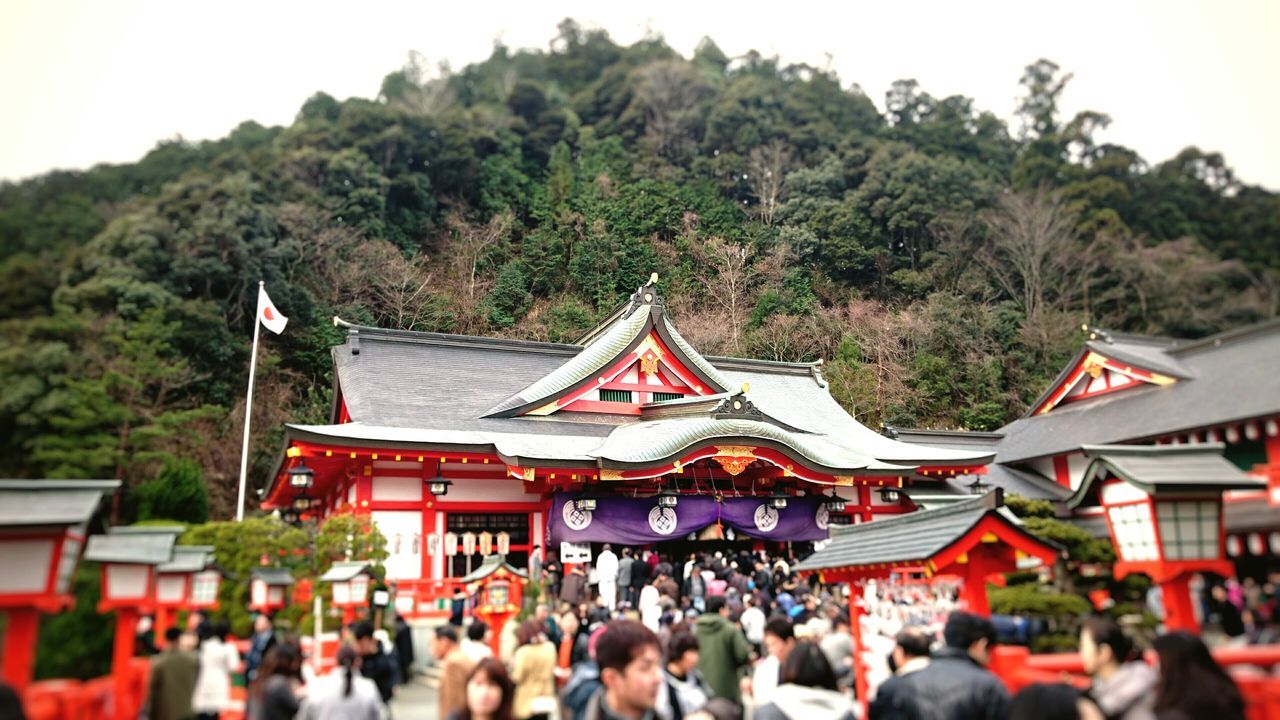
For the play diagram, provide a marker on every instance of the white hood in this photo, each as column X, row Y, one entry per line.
column 797, row 701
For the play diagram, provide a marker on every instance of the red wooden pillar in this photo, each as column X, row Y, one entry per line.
column 1179, row 610
column 20, row 647
column 122, row 652
column 859, row 669
column 162, row 623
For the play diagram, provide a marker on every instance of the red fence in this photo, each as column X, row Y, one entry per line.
column 1251, row 667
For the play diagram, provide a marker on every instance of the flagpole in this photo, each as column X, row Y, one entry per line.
column 248, row 405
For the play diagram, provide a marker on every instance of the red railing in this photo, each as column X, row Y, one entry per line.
column 1250, row 666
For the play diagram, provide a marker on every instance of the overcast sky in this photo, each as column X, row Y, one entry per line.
column 102, row 81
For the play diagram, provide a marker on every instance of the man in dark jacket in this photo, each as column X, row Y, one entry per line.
column 404, row 647
column 956, row 684
column 639, row 578
column 173, row 680
column 573, row 588
column 375, row 663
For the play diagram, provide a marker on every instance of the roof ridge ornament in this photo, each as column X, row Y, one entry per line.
column 1097, row 333
column 647, row 294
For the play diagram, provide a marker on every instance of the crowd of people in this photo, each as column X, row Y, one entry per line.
column 718, row 636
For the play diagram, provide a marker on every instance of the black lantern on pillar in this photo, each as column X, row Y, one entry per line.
column 303, row 503
column 290, row 516
column 301, row 477
column 438, row 486
column 890, row 496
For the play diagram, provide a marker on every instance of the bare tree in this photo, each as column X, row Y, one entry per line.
column 1035, row 254
column 731, row 285
column 470, row 242
column 766, row 167
column 669, row 92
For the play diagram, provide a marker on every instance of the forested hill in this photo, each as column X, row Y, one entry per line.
column 940, row 260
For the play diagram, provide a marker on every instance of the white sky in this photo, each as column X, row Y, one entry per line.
column 102, row 81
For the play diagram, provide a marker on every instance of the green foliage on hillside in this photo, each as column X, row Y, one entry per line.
column 938, row 259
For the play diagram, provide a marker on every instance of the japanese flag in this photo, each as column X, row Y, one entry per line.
column 268, row 313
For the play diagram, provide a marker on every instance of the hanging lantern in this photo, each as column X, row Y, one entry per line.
column 778, row 499
column 834, row 503
column 504, row 543
column 668, row 498
column 977, row 487
column 890, row 496
column 468, row 543
column 450, row 544
column 486, row 543
column 438, row 486
column 301, row 477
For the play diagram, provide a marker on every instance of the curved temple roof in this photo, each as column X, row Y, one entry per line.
column 459, row 393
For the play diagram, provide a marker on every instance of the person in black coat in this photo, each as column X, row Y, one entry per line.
column 639, row 578
column 375, row 664
column 956, row 683
column 404, row 647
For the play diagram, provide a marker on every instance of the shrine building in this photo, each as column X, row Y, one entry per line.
column 459, row 446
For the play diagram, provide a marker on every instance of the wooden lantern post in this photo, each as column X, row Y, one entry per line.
column 129, row 557
column 175, row 584
column 350, row 583
column 1163, row 506
column 267, row 588
column 42, row 530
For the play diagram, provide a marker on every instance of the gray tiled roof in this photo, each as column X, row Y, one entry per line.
column 343, row 571
column 428, row 389
column 272, row 575
column 188, row 558
column 1252, row 514
column 33, row 503
column 1230, row 377
column 1156, row 468
column 911, row 538
column 139, row 548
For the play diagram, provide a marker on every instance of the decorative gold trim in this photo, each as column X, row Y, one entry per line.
column 844, row 481
column 734, row 464
column 529, row 474
column 736, row 451
column 649, row 364
column 649, row 344
column 611, row 474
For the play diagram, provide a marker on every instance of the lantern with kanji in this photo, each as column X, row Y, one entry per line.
column 267, row 588
column 350, row 583
column 1163, row 507
column 42, row 526
column 498, row 588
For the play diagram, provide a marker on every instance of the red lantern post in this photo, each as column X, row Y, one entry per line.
column 1163, row 506
column 350, row 585
column 42, row 525
column 175, row 582
column 129, row 557
column 267, row 588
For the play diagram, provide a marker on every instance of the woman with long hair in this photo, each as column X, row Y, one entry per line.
column 344, row 694
column 808, row 688
column 274, row 692
column 490, row 693
column 533, row 670
column 1192, row 686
